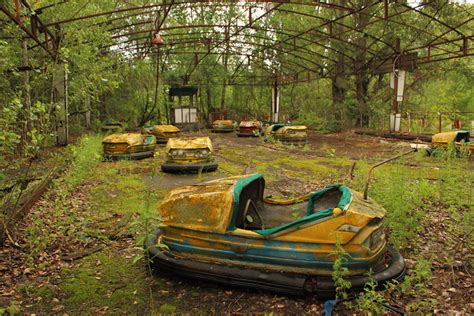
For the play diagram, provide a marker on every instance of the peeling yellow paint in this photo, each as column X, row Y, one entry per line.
column 127, row 143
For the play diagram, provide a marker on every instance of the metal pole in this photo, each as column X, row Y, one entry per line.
column 440, row 122
column 369, row 175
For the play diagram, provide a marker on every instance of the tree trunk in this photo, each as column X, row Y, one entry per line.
column 338, row 89
column 361, row 69
column 26, row 126
column 209, row 95
column 338, row 79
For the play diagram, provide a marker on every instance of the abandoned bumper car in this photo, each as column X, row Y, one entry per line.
column 223, row 126
column 111, row 126
column 460, row 139
column 128, row 146
column 287, row 134
column 249, row 128
column 225, row 231
column 189, row 154
column 161, row 132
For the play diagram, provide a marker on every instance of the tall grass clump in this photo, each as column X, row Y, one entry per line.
column 84, row 157
column 403, row 194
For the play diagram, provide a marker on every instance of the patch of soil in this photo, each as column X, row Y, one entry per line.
column 197, row 297
column 355, row 146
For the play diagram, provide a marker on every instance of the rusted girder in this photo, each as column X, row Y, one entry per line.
column 34, row 28
column 277, row 2
column 183, row 37
column 194, row 41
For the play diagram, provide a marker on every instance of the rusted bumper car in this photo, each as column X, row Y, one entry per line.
column 189, row 155
column 161, row 132
column 130, row 146
column 223, row 126
column 112, row 126
column 287, row 134
column 460, row 140
column 249, row 129
column 225, row 231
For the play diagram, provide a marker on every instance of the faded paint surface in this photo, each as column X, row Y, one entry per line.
column 162, row 132
column 165, row 129
column 127, row 143
column 256, row 124
column 131, row 139
column 191, row 148
column 201, row 208
column 286, row 129
column 443, row 139
column 189, row 143
column 223, row 123
column 288, row 133
column 198, row 220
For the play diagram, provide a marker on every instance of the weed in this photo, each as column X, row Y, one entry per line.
column 340, row 272
column 370, row 301
column 417, row 279
column 12, row 309
column 306, row 148
column 85, row 156
column 403, row 194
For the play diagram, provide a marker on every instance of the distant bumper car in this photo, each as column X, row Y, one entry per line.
column 460, row 139
column 131, row 146
column 222, row 126
column 288, row 134
column 161, row 132
column 189, row 155
column 225, row 231
column 111, row 127
column 249, row 129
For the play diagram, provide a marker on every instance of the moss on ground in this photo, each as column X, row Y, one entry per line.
column 103, row 282
column 230, row 168
column 105, row 279
column 120, row 187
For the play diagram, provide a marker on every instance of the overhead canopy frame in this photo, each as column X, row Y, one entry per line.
column 321, row 34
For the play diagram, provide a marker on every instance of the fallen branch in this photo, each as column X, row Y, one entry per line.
column 14, row 212
column 81, row 254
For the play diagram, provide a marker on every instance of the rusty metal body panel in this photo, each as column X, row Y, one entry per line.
column 289, row 134
column 162, row 132
column 209, row 233
column 189, row 154
column 250, row 128
column 128, row 146
column 223, row 126
column 201, row 221
column 460, row 139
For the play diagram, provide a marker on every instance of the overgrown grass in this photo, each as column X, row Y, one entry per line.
column 411, row 190
column 117, row 199
column 402, row 193
column 85, row 156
